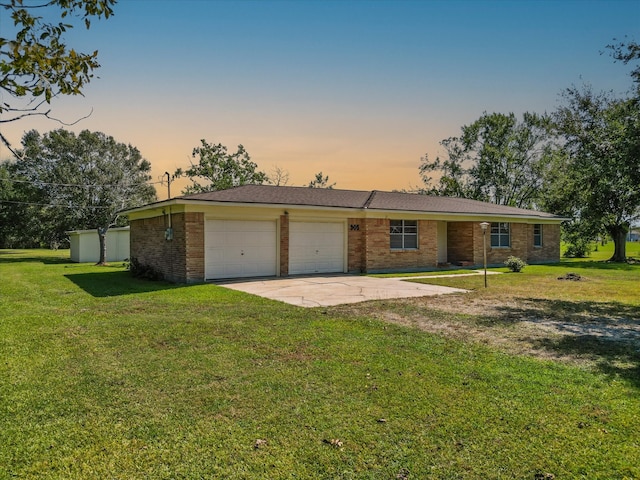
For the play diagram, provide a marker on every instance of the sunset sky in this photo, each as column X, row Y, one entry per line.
column 359, row 90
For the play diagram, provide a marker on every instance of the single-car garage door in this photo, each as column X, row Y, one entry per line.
column 238, row 248
column 316, row 247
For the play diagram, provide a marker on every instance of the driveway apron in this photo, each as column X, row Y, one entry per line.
column 328, row 290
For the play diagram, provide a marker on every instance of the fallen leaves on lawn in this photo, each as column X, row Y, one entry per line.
column 334, row 442
column 403, row 474
column 259, row 443
column 544, row 476
column 574, row 277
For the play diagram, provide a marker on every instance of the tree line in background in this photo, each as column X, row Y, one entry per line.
column 61, row 181
column 581, row 161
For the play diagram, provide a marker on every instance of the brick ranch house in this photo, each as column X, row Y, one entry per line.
column 263, row 230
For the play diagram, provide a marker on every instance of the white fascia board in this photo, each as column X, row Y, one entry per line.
column 151, row 206
column 283, row 206
column 496, row 217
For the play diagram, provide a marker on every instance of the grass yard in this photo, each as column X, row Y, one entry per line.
column 604, row 252
column 105, row 376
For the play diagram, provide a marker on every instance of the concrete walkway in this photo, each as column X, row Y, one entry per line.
column 328, row 290
column 473, row 273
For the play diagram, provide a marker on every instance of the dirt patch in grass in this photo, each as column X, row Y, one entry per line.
column 590, row 333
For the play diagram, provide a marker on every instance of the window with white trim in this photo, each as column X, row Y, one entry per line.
column 537, row 235
column 403, row 234
column 500, row 235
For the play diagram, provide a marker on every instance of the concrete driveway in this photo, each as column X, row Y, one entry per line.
column 327, row 290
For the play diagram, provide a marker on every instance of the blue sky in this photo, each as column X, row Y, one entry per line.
column 359, row 90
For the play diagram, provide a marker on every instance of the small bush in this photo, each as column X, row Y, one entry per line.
column 578, row 249
column 515, row 264
column 139, row 270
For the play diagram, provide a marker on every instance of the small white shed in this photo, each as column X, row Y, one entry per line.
column 85, row 245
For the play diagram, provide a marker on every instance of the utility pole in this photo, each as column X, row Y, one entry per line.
column 168, row 185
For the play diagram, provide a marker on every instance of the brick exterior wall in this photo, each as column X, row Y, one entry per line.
column 521, row 245
column 380, row 257
column 194, row 246
column 284, row 245
column 179, row 260
column 550, row 250
column 356, row 252
column 460, row 242
column 495, row 256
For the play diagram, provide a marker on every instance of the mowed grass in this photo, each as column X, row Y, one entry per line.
column 105, row 376
column 604, row 252
column 603, row 282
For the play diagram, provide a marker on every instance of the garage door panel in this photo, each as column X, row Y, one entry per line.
column 235, row 248
column 316, row 247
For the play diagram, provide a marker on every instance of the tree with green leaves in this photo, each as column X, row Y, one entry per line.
column 320, row 181
column 37, row 65
column 81, row 182
column 21, row 225
column 595, row 176
column 597, row 180
column 496, row 159
column 219, row 169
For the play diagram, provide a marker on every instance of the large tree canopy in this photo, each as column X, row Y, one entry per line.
column 496, row 159
column 36, row 64
column 597, row 178
column 68, row 182
column 217, row 169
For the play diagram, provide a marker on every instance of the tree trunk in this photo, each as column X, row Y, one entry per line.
column 619, row 235
column 102, row 237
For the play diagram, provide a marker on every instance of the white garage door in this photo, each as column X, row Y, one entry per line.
column 316, row 247
column 235, row 248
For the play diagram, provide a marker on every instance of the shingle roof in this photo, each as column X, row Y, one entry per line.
column 359, row 199
column 270, row 194
column 435, row 204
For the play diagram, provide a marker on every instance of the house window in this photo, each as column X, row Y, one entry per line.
column 403, row 234
column 500, row 235
column 537, row 235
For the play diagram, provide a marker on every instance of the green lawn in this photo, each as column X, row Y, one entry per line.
column 105, row 376
column 604, row 252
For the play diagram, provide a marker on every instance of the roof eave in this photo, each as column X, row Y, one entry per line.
column 150, row 206
column 480, row 215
